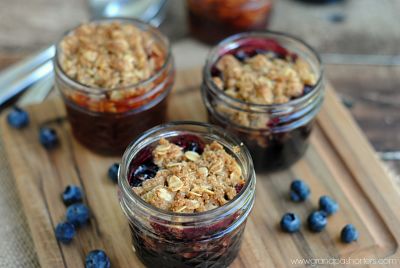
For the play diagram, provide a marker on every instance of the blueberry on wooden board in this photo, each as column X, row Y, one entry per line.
column 72, row 194
column 48, row 137
column 290, row 223
column 299, row 191
column 97, row 259
column 18, row 118
column 113, row 172
column 65, row 231
column 78, row 214
column 349, row 234
column 328, row 205
column 317, row 221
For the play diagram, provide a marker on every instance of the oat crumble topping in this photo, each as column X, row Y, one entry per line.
column 263, row 78
column 110, row 55
column 190, row 182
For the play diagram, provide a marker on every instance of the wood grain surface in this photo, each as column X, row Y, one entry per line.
column 340, row 162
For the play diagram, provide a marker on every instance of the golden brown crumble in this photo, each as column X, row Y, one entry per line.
column 110, row 55
column 263, row 78
column 189, row 182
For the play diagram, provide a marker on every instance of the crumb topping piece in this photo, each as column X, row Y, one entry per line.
column 263, row 78
column 190, row 182
column 110, row 55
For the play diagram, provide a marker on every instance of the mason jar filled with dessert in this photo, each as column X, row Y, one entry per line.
column 266, row 88
column 212, row 20
column 114, row 76
column 187, row 190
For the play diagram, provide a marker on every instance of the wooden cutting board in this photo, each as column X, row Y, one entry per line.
column 339, row 162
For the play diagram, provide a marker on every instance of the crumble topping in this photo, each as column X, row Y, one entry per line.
column 263, row 78
column 190, row 182
column 110, row 55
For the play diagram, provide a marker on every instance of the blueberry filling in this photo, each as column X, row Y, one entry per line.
column 251, row 47
column 143, row 172
column 189, row 143
column 307, row 89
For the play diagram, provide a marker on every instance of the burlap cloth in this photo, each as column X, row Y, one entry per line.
column 16, row 245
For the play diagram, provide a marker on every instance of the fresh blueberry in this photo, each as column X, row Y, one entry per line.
column 328, row 205
column 317, row 221
column 290, row 223
column 143, row 172
column 72, row 194
column 65, row 231
column 78, row 214
column 48, row 137
column 299, row 191
column 349, row 234
column 18, row 118
column 97, row 259
column 113, row 172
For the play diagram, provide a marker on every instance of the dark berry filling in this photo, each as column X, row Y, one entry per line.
column 251, row 47
column 143, row 172
column 159, row 247
column 189, row 143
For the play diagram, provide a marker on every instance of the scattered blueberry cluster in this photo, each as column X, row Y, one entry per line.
column 19, row 118
column 317, row 220
column 77, row 215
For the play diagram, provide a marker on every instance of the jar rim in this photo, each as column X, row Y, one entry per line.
column 194, row 217
column 262, row 34
column 100, row 90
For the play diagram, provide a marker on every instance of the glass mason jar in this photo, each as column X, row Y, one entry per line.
column 173, row 240
column 280, row 136
column 106, row 120
column 212, row 20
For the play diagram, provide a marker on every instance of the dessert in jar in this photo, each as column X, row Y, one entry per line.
column 266, row 88
column 114, row 76
column 212, row 20
column 187, row 189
